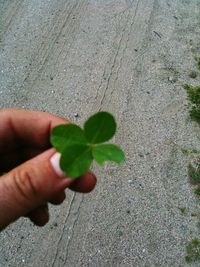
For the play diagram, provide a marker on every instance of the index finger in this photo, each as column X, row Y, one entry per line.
column 27, row 127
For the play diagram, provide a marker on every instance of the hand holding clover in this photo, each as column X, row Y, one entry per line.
column 31, row 176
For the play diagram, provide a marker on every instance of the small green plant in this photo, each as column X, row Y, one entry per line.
column 182, row 210
column 185, row 150
column 198, row 63
column 193, row 93
column 194, row 174
column 197, row 191
column 78, row 147
column 194, row 151
column 193, row 250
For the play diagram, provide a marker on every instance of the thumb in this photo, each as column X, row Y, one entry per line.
column 30, row 185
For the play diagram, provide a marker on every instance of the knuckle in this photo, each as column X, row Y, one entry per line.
column 24, row 184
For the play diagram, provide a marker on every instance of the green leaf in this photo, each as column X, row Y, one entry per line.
column 65, row 135
column 100, row 127
column 109, row 152
column 76, row 160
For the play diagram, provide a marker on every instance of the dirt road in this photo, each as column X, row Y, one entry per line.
column 130, row 58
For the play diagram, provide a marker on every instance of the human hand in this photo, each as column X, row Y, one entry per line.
column 30, row 167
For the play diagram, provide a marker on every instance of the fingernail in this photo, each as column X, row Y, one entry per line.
column 55, row 163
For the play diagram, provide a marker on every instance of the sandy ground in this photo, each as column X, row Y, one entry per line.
column 130, row 58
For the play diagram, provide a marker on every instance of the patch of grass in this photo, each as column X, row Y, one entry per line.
column 193, row 250
column 193, row 93
column 185, row 150
column 194, row 174
column 197, row 191
column 195, row 113
column 195, row 151
column 198, row 63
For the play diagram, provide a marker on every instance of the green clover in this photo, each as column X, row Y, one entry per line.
column 79, row 147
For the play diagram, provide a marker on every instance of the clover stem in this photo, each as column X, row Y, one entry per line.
column 91, row 148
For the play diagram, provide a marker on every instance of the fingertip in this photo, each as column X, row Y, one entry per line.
column 85, row 183
column 40, row 216
column 58, row 198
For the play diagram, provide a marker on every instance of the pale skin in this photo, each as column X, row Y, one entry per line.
column 30, row 179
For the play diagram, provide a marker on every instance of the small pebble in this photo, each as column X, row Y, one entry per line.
column 172, row 79
column 76, row 115
column 168, row 142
